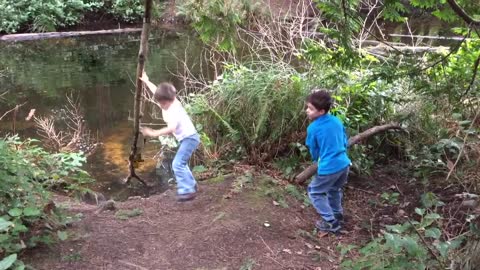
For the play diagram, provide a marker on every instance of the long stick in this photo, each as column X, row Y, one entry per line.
column 310, row 170
column 142, row 57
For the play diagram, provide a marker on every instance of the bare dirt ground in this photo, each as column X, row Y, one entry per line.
column 233, row 224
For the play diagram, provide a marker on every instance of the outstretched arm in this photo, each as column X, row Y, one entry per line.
column 151, row 86
column 146, row 131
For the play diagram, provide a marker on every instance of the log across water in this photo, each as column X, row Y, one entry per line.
column 35, row 36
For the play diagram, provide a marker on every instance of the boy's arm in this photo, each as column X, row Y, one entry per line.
column 151, row 86
column 146, row 131
column 312, row 146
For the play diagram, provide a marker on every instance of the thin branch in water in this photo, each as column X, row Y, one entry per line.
column 9, row 111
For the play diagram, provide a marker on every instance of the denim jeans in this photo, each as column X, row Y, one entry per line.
column 185, row 181
column 326, row 192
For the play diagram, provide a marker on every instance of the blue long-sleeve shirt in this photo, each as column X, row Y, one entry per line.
column 327, row 142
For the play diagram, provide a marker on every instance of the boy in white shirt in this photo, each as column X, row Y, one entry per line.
column 180, row 125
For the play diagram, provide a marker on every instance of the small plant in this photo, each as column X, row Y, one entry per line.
column 390, row 198
column 248, row 264
column 297, row 194
column 126, row 214
column 74, row 257
column 415, row 244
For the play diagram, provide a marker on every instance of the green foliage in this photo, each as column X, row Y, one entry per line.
column 49, row 15
column 126, row 214
column 132, row 10
column 248, row 264
column 390, row 198
column 411, row 245
column 298, row 194
column 127, row 10
column 290, row 164
column 253, row 107
column 41, row 16
column 27, row 173
column 217, row 20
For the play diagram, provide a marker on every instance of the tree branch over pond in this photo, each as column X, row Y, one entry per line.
column 142, row 57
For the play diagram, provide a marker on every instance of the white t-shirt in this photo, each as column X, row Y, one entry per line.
column 177, row 116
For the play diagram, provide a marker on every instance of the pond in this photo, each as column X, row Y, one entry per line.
column 100, row 72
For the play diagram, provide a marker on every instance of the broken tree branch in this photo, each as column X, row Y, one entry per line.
column 311, row 170
column 142, row 57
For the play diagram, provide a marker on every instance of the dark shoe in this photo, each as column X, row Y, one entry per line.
column 340, row 218
column 186, row 197
column 328, row 226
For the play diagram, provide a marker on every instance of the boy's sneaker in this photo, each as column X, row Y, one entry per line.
column 186, row 197
column 339, row 217
column 328, row 226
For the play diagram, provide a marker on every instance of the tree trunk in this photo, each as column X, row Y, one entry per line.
column 311, row 170
column 142, row 57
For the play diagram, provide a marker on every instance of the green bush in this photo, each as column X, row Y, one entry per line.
column 41, row 16
column 217, row 20
column 252, row 109
column 415, row 244
column 27, row 214
column 126, row 10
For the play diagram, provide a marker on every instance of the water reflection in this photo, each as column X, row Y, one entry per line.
column 100, row 70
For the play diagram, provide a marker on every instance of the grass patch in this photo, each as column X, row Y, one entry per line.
column 215, row 180
column 126, row 214
column 74, row 257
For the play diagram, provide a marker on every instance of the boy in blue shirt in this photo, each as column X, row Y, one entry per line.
column 327, row 143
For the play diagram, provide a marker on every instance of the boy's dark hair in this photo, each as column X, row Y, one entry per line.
column 320, row 99
column 165, row 92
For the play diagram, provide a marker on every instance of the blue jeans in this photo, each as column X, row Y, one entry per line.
column 185, row 181
column 326, row 192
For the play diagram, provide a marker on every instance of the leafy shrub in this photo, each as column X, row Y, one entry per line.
column 27, row 215
column 415, row 244
column 126, row 10
column 217, row 20
column 42, row 16
column 254, row 107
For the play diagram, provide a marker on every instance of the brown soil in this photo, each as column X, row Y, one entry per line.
column 220, row 229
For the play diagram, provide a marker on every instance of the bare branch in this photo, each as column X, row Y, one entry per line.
column 475, row 70
column 462, row 13
column 9, row 111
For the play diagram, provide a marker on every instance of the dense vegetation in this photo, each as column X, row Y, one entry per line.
column 256, row 105
column 252, row 109
column 28, row 216
column 42, row 16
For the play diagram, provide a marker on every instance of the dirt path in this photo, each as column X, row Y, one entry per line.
column 224, row 228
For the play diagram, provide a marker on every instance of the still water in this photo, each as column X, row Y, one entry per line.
column 100, row 71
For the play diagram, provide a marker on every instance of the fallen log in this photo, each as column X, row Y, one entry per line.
column 312, row 169
column 35, row 36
